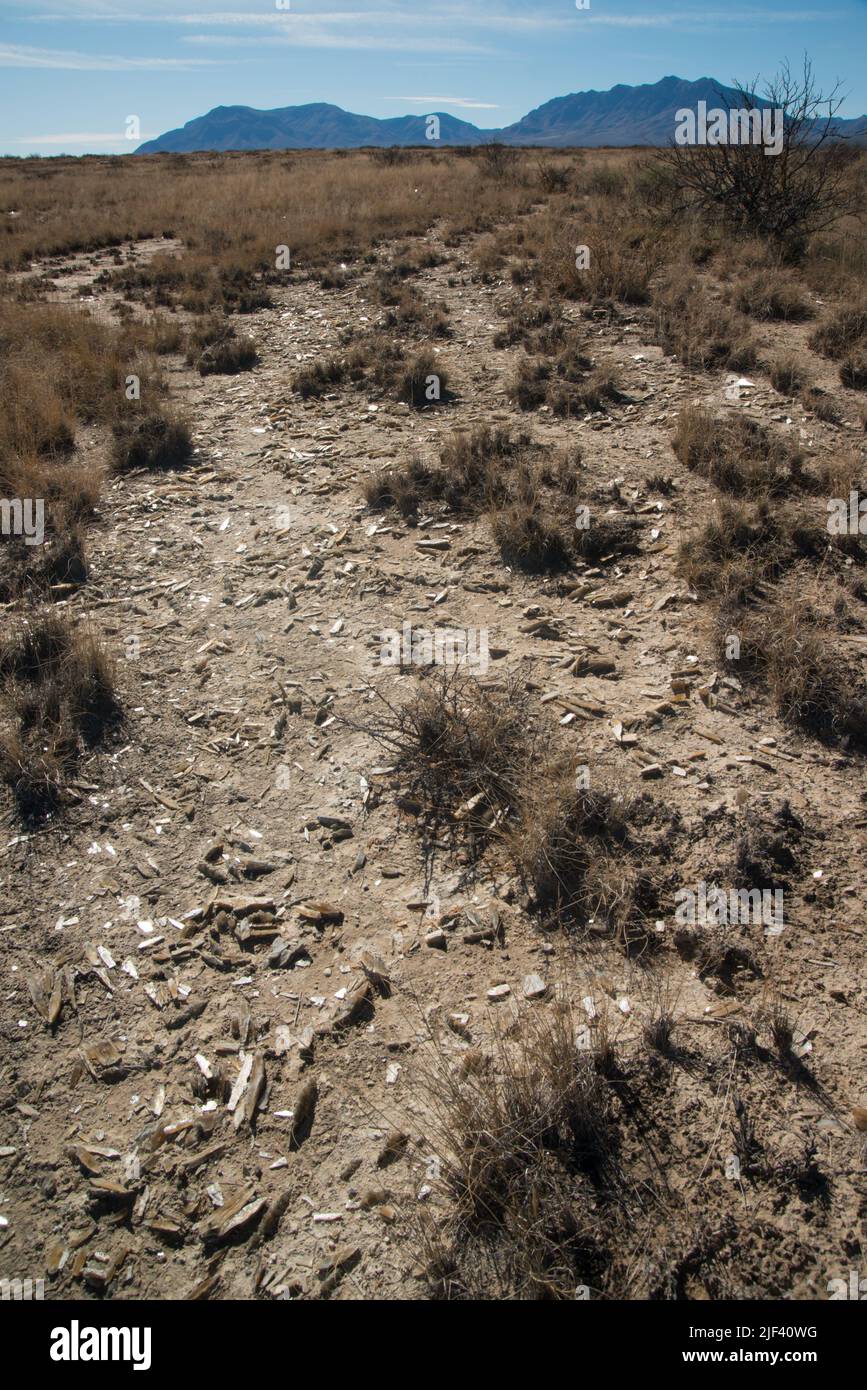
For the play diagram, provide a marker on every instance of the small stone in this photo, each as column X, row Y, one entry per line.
column 534, row 987
column 499, row 992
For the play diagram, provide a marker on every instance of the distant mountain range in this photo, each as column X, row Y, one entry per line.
column 622, row 116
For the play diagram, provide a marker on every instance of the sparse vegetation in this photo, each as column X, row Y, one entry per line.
column 661, row 605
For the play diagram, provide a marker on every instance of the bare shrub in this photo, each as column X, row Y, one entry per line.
column 497, row 161
column 458, row 742
column 803, row 189
column 553, row 177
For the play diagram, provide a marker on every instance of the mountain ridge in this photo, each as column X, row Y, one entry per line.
column 621, row 116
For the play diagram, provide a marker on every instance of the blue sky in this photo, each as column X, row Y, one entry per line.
column 73, row 71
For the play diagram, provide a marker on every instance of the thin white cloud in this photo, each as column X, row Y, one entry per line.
column 264, row 14
column 467, row 103
column 683, row 19
column 89, row 137
column 13, row 55
column 313, row 38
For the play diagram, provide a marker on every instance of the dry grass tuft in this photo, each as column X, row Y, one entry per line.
column 698, row 330
column 528, row 497
column 154, row 441
column 787, row 376
column 840, row 335
column 853, row 371
column 736, row 453
column 528, row 1147
column 812, row 687
column 57, row 697
column 216, row 350
column 772, row 296
column 568, row 386
column 734, row 553
column 574, row 850
column 529, row 540
column 423, row 382
column 476, row 470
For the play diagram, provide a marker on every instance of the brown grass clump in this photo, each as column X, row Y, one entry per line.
column 153, row 440
column 784, row 643
column 736, row 453
column 698, row 330
column 528, row 1149
column 529, row 497
column 622, row 251
column 215, row 349
column 734, row 554
column 475, row 471
column 772, row 296
column 57, row 696
column 840, row 335
column 376, row 363
column 820, row 404
column 530, row 540
column 407, row 308
column 404, row 488
column 537, row 325
column 574, row 850
column 69, row 492
column 320, row 377
column 58, row 368
column 853, row 371
column 787, row 376
column 423, row 382
column 160, row 334
column 571, row 385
